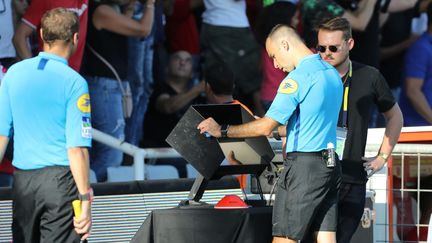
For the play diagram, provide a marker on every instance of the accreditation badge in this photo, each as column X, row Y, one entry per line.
column 341, row 134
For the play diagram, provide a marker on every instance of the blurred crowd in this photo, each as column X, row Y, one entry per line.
column 147, row 61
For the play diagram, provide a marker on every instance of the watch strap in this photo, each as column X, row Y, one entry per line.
column 224, row 130
column 384, row 156
column 87, row 196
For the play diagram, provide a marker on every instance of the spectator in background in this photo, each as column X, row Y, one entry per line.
column 313, row 12
column 367, row 48
column 182, row 30
column 396, row 38
column 397, row 35
column 7, row 58
column 140, row 76
column 416, row 95
column 281, row 12
column 105, row 68
column 31, row 22
column 226, row 37
column 219, row 81
column 168, row 103
column 219, row 87
column 7, row 50
column 160, row 57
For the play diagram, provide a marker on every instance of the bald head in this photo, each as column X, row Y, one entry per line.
column 282, row 31
column 285, row 47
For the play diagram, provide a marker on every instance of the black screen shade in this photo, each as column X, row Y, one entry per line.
column 206, row 154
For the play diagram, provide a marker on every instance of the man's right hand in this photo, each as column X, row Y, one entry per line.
column 83, row 223
column 210, row 126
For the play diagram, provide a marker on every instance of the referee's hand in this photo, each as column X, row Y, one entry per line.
column 210, row 126
column 83, row 223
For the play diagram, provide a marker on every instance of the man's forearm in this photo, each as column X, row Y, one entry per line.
column 392, row 130
column 421, row 106
column 79, row 165
column 260, row 127
column 176, row 102
column 359, row 19
column 20, row 41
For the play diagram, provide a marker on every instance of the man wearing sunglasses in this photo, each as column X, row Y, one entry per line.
column 364, row 87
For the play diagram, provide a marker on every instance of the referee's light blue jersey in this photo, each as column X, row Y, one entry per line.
column 309, row 100
column 48, row 105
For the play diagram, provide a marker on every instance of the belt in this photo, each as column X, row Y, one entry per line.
column 319, row 153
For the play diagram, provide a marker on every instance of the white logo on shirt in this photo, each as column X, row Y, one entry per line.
column 79, row 11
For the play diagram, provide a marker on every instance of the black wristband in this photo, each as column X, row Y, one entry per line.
column 224, row 130
column 276, row 134
column 87, row 196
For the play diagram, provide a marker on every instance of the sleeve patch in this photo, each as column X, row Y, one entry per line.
column 83, row 103
column 86, row 127
column 288, row 86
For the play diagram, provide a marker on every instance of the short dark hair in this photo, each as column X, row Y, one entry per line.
column 336, row 24
column 59, row 24
column 221, row 79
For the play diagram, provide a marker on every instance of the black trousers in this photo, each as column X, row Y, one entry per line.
column 42, row 205
column 352, row 198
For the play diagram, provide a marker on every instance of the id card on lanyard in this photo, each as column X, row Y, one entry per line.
column 341, row 132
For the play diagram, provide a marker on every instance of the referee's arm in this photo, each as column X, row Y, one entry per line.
column 3, row 144
column 79, row 165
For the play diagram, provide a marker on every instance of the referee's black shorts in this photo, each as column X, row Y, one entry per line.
column 306, row 197
column 42, row 205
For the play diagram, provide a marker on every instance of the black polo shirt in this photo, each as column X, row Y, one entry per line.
column 367, row 88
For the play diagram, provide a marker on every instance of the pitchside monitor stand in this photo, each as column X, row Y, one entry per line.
column 206, row 154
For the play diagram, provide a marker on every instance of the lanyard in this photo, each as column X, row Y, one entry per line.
column 346, row 84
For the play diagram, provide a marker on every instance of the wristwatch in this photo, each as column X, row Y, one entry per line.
column 384, row 156
column 87, row 196
column 224, row 130
column 276, row 134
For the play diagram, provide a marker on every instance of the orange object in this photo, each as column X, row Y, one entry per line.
column 231, row 202
column 415, row 137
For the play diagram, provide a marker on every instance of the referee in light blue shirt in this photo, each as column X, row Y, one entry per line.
column 308, row 102
column 48, row 106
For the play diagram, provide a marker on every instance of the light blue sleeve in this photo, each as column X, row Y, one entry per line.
column 78, row 119
column 291, row 92
column 5, row 107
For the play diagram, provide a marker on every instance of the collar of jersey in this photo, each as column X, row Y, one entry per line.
column 313, row 56
column 52, row 57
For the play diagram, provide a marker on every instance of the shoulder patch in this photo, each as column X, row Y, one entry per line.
column 288, row 86
column 83, row 103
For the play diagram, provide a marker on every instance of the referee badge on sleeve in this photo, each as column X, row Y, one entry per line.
column 288, row 86
column 83, row 103
column 86, row 127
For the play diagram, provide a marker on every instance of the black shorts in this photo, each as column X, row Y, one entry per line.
column 306, row 197
column 42, row 205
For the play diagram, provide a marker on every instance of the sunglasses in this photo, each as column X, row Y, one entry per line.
column 331, row 48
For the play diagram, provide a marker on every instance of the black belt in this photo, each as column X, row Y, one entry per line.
column 319, row 153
